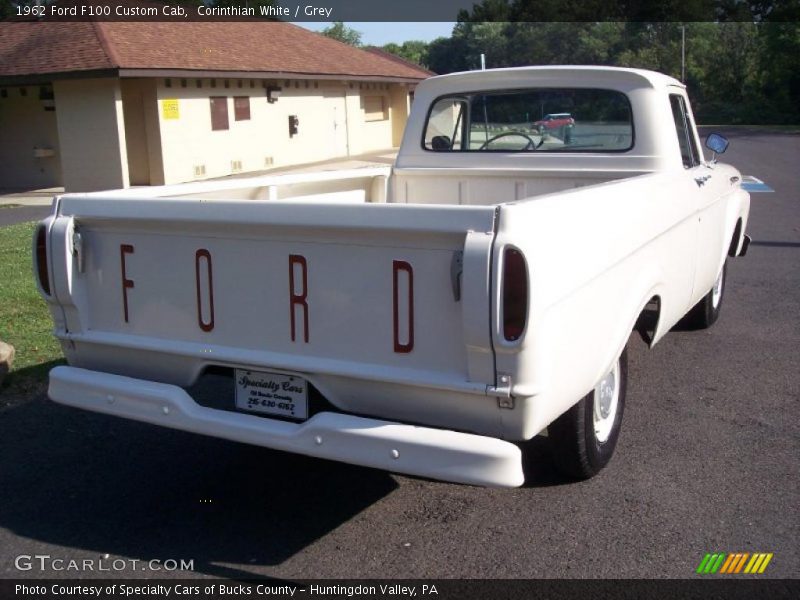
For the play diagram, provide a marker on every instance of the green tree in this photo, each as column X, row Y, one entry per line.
column 415, row 51
column 343, row 33
column 7, row 9
column 736, row 72
column 778, row 64
column 487, row 10
column 447, row 55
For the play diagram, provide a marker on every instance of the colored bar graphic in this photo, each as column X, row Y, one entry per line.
column 764, row 564
column 718, row 564
column 740, row 564
column 709, row 568
column 754, row 563
column 734, row 563
column 728, row 563
column 703, row 563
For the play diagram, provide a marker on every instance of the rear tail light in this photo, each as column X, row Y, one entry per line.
column 41, row 258
column 515, row 294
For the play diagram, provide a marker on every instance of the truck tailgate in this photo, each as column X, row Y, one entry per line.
column 360, row 291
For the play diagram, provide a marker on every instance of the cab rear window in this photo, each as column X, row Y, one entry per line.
column 531, row 120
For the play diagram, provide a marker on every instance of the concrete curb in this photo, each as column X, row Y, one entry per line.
column 6, row 359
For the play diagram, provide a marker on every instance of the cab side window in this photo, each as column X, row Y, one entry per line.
column 689, row 153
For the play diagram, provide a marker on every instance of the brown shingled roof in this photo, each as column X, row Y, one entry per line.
column 33, row 48
column 38, row 48
column 398, row 59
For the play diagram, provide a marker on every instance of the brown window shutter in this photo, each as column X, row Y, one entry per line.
column 241, row 108
column 219, row 113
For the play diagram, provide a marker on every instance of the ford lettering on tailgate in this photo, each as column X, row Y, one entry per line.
column 331, row 300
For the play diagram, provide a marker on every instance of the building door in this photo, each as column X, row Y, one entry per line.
column 340, row 142
column 133, row 109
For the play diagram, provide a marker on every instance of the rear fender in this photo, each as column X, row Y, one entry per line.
column 547, row 395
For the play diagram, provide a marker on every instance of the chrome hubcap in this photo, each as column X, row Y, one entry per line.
column 606, row 401
column 716, row 291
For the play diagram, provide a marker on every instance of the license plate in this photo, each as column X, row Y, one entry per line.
column 272, row 393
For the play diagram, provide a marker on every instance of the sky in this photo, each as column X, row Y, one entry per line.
column 378, row 34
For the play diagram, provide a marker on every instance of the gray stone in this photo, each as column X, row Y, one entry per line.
column 6, row 359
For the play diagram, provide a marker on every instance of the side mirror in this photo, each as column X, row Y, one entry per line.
column 717, row 144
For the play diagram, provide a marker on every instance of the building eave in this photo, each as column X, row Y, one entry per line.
column 219, row 74
column 42, row 78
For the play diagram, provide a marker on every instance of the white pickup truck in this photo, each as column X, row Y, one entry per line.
column 423, row 318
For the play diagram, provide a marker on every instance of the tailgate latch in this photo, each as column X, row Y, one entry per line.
column 78, row 250
column 456, row 270
column 502, row 390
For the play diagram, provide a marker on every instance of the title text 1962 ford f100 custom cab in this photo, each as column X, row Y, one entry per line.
column 422, row 318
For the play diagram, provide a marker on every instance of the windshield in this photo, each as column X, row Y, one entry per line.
column 531, row 120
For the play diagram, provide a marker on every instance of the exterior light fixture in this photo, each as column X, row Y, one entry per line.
column 47, row 98
column 273, row 93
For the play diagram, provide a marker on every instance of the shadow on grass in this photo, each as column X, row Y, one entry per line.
column 25, row 383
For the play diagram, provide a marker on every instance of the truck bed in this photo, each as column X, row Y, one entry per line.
column 376, row 185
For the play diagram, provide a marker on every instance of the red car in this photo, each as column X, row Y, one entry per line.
column 553, row 121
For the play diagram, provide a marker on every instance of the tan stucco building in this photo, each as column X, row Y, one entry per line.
column 92, row 106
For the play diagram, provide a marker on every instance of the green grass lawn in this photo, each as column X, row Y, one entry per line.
column 24, row 319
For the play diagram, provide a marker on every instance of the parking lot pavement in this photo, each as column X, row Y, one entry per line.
column 10, row 215
column 42, row 197
column 21, row 206
column 706, row 462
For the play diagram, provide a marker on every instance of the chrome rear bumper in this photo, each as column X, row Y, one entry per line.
column 422, row 451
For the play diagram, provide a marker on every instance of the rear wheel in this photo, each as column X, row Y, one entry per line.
column 583, row 438
column 706, row 312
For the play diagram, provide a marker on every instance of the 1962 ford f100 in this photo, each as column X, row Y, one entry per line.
column 421, row 318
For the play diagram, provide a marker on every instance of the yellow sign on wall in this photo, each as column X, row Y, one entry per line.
column 170, row 109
